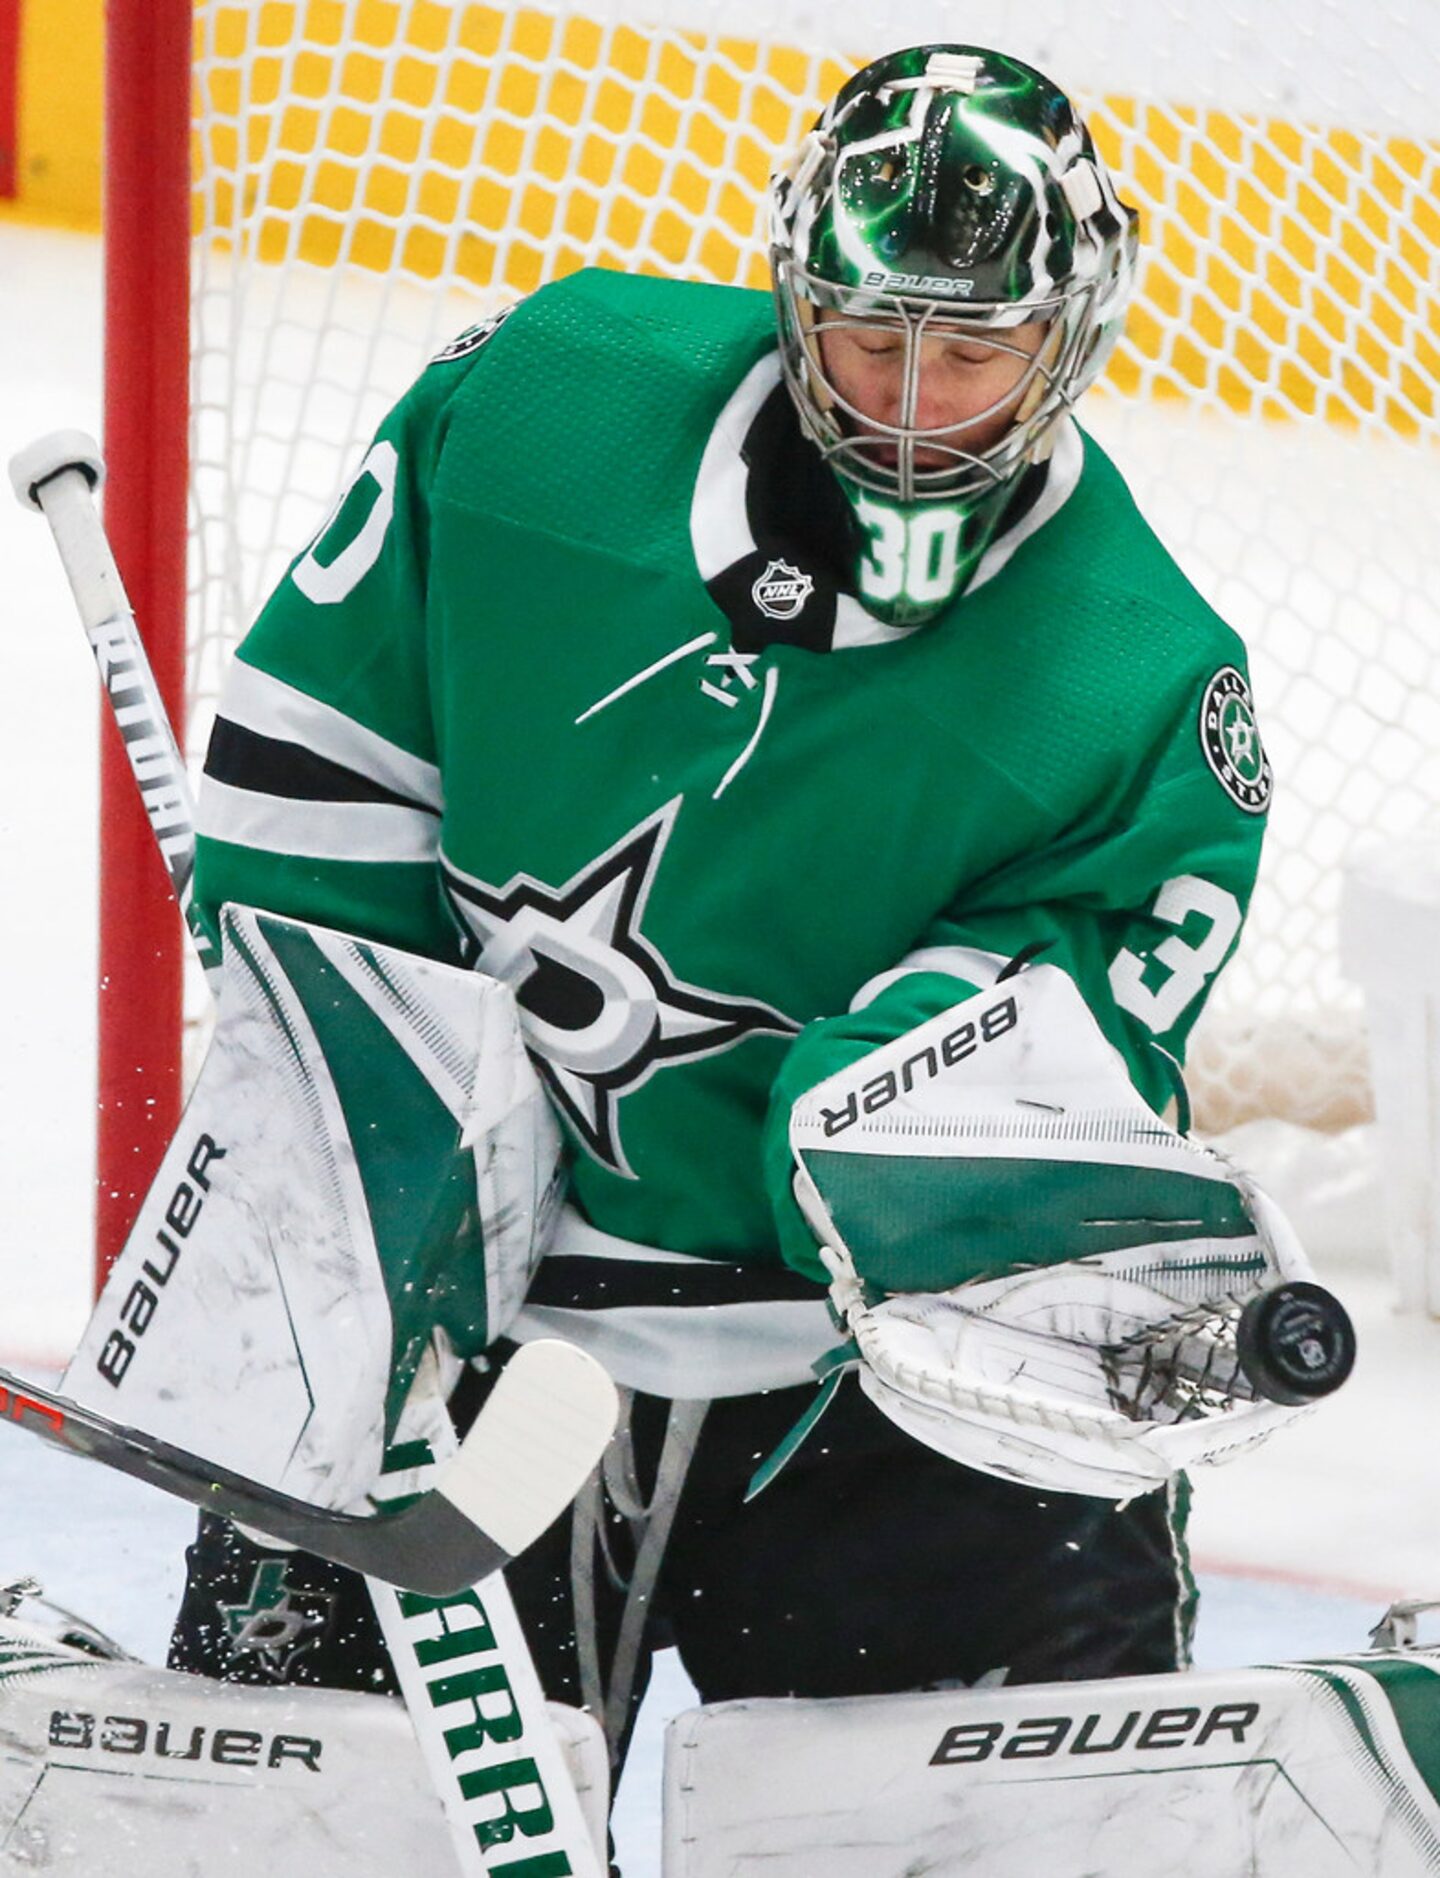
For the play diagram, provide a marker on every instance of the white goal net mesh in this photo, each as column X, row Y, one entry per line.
column 370, row 175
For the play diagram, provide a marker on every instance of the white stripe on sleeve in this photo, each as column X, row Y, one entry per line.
column 319, row 831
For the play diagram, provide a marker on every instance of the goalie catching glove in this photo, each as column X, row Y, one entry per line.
column 1042, row 1279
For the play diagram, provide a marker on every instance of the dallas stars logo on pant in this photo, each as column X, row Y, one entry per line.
column 278, row 1624
column 600, row 1007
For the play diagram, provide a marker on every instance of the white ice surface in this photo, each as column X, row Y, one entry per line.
column 1299, row 1546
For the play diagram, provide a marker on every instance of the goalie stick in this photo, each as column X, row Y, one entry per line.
column 57, row 475
column 509, row 1471
column 524, row 1460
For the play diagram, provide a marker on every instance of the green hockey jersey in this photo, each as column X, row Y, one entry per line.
column 572, row 687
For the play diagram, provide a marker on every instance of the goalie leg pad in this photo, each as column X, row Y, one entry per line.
column 121, row 1769
column 1129, row 1778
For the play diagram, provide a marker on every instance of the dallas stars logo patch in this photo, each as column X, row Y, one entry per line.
column 600, row 1007
column 1230, row 738
column 473, row 337
column 278, row 1625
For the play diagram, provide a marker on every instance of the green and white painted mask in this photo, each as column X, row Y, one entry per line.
column 949, row 205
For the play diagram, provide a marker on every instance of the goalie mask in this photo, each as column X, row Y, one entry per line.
column 949, row 209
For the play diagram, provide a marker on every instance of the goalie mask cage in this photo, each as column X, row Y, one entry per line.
column 307, row 197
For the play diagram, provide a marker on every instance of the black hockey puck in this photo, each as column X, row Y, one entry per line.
column 1295, row 1343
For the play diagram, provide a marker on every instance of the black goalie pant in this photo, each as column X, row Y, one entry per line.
column 870, row 1565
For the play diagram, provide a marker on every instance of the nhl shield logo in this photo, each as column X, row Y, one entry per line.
column 782, row 590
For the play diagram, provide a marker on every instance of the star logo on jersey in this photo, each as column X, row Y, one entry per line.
column 1230, row 738
column 600, row 1007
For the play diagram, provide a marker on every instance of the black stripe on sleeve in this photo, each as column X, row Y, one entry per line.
column 248, row 760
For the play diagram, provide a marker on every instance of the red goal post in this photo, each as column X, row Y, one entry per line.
column 364, row 177
column 147, row 352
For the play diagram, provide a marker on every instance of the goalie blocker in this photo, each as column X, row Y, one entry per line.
column 269, row 1224
column 1040, row 1278
column 267, row 1231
